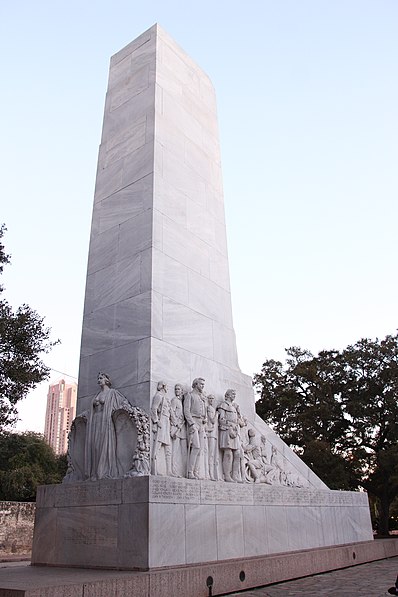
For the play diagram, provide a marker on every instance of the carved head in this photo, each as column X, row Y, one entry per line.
column 230, row 395
column 178, row 390
column 210, row 399
column 251, row 432
column 162, row 386
column 104, row 379
column 198, row 384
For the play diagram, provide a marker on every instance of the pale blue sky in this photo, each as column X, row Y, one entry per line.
column 307, row 99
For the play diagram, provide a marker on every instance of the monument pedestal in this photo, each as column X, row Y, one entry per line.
column 152, row 522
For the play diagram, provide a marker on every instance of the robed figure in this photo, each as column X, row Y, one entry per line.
column 101, row 458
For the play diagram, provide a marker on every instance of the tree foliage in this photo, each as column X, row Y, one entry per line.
column 23, row 339
column 339, row 411
column 26, row 461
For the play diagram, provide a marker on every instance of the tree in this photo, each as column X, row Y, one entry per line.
column 23, row 339
column 339, row 411
column 26, row 461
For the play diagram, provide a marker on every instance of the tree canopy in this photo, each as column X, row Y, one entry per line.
column 26, row 461
column 23, row 339
column 339, row 411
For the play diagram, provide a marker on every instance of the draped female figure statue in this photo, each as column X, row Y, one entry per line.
column 101, row 459
column 109, row 440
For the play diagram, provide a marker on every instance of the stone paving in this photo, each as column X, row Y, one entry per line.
column 370, row 580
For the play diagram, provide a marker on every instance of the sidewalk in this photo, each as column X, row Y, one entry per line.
column 368, row 580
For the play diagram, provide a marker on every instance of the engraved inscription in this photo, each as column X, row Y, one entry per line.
column 221, row 493
column 287, row 496
column 90, row 536
column 265, row 495
column 173, row 490
column 104, row 492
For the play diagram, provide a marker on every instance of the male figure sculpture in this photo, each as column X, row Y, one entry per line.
column 160, row 415
column 211, row 432
column 178, row 432
column 278, row 468
column 195, row 415
column 257, row 464
column 242, row 422
column 228, row 425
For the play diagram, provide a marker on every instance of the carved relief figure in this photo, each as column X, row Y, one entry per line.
column 212, row 436
column 195, row 415
column 110, row 440
column 263, row 448
column 242, row 422
column 256, row 459
column 178, row 432
column 276, row 475
column 293, row 480
column 100, row 447
column 229, row 443
column 160, row 415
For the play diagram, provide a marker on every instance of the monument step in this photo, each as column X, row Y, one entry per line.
column 199, row 580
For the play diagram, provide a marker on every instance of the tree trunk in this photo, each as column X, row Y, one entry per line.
column 384, row 513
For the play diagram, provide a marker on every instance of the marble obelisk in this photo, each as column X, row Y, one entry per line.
column 157, row 303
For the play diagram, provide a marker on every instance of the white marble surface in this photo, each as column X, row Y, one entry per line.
column 255, row 531
column 80, row 527
column 224, row 345
column 230, row 535
column 138, row 164
column 158, row 227
column 103, row 250
column 186, row 328
column 171, row 202
column 114, row 283
column 117, row 122
column 190, row 250
column 133, row 522
column 108, row 181
column 164, row 521
column 125, row 142
column 201, row 541
column 132, row 48
column 134, row 83
column 125, row 204
column 276, row 528
column 166, row 535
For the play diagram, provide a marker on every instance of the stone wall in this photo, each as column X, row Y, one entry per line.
column 16, row 527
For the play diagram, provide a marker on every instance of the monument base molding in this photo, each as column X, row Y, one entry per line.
column 194, row 580
column 151, row 522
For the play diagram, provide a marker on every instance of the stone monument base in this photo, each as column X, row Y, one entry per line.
column 151, row 522
column 196, row 580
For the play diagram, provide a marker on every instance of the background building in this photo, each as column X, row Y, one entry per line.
column 60, row 412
